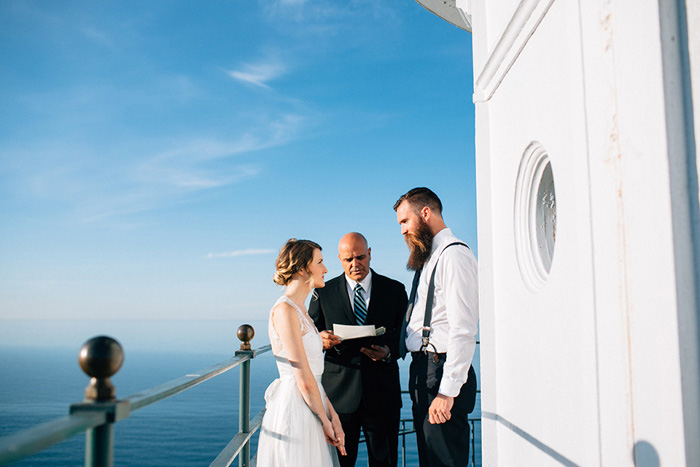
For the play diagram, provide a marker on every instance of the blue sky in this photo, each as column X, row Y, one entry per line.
column 154, row 156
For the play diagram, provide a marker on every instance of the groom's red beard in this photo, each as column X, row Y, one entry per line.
column 421, row 245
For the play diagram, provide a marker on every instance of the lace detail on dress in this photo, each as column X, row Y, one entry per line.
column 305, row 321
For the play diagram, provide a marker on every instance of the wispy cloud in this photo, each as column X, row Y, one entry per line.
column 259, row 73
column 200, row 164
column 330, row 18
column 246, row 252
column 294, row 3
column 207, row 163
column 95, row 183
column 98, row 36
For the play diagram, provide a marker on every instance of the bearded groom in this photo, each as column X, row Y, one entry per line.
column 439, row 330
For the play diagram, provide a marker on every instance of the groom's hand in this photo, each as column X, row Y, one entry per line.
column 329, row 339
column 439, row 411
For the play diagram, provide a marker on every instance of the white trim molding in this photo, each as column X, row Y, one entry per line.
column 528, row 15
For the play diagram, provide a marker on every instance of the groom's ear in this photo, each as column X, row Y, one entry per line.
column 425, row 213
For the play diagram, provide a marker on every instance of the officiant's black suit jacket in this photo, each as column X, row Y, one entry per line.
column 348, row 375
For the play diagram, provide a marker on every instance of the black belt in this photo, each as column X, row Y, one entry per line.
column 436, row 357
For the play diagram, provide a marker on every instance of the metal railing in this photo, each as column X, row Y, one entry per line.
column 101, row 358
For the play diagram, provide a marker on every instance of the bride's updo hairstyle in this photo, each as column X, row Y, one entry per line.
column 295, row 255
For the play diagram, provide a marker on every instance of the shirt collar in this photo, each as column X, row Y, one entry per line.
column 365, row 283
column 440, row 238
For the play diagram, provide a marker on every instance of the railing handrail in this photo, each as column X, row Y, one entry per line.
column 37, row 438
column 234, row 447
column 163, row 391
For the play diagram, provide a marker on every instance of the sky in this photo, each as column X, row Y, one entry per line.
column 154, row 156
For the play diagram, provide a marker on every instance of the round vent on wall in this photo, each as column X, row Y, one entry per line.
column 535, row 216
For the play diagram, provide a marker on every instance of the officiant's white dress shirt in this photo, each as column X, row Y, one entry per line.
column 455, row 317
column 366, row 284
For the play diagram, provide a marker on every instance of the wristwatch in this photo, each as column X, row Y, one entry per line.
column 387, row 359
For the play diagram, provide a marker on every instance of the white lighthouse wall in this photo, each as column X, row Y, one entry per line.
column 545, row 367
column 585, row 369
column 636, row 287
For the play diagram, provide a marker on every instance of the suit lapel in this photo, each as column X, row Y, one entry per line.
column 374, row 300
column 345, row 299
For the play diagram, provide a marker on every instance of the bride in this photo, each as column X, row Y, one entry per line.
column 300, row 427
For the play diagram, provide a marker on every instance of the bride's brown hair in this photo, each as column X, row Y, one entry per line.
column 295, row 255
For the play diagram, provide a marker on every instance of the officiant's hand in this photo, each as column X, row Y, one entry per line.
column 376, row 353
column 329, row 339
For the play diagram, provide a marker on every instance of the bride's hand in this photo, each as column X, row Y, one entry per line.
column 339, row 433
column 329, row 432
column 334, row 438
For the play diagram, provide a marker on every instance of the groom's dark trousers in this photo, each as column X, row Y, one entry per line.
column 444, row 444
column 366, row 394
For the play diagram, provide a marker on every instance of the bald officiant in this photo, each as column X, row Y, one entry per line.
column 362, row 383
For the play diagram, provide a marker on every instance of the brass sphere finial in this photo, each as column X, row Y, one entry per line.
column 100, row 358
column 245, row 334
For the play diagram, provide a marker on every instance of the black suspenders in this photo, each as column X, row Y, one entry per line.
column 429, row 303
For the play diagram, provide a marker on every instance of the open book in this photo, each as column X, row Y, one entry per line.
column 344, row 331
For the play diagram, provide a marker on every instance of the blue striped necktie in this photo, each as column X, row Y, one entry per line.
column 360, row 305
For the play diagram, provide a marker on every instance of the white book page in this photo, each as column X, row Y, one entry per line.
column 345, row 331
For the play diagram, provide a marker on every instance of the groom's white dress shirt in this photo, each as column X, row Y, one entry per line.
column 455, row 316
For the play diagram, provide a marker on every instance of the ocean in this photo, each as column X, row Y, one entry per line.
column 191, row 428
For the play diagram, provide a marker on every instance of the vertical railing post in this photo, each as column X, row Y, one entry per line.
column 244, row 412
column 99, row 446
column 245, row 334
column 100, row 358
column 403, row 444
column 473, row 442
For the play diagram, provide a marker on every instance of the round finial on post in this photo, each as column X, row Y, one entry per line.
column 245, row 334
column 100, row 358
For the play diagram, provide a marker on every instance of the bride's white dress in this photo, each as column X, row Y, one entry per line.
column 291, row 435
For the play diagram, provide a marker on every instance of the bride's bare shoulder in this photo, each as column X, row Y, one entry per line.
column 284, row 312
